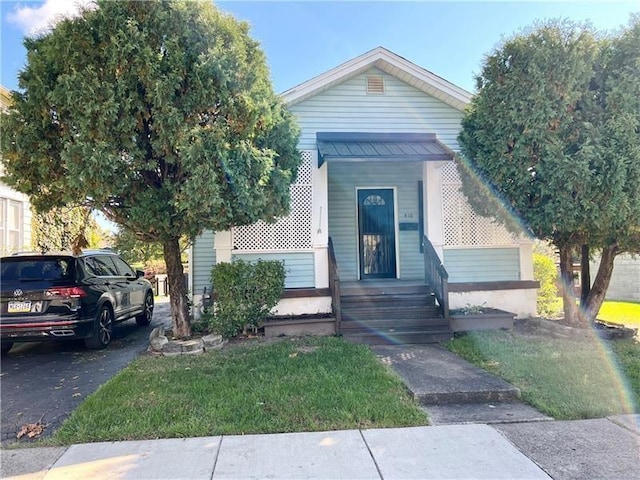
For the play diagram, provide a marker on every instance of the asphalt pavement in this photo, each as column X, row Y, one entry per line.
column 43, row 382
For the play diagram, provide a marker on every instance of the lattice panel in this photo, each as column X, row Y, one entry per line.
column 450, row 173
column 292, row 232
column 461, row 225
column 305, row 172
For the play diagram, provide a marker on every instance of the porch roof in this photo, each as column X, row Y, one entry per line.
column 397, row 147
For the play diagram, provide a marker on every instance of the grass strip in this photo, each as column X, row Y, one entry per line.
column 309, row 384
column 564, row 378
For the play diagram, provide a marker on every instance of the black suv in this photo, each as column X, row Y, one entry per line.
column 65, row 296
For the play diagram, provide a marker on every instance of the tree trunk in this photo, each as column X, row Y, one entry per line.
column 177, row 291
column 601, row 283
column 572, row 315
column 585, row 275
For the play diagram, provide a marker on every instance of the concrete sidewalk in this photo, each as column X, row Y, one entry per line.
column 455, row 451
column 582, row 449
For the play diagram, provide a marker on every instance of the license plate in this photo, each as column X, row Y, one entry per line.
column 19, row 307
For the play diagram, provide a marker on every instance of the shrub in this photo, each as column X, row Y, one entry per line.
column 245, row 294
column 545, row 272
column 153, row 268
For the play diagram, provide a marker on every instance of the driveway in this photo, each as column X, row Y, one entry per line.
column 45, row 381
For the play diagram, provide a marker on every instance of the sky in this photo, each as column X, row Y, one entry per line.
column 303, row 39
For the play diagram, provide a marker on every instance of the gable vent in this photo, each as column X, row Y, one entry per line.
column 375, row 84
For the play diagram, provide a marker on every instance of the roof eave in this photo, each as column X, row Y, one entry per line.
column 391, row 64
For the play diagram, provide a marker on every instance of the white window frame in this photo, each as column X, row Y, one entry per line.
column 6, row 230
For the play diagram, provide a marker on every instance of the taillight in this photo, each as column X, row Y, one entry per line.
column 67, row 292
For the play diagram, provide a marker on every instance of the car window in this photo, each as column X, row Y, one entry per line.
column 124, row 268
column 101, row 266
column 30, row 269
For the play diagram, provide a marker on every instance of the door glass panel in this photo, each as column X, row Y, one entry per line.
column 377, row 254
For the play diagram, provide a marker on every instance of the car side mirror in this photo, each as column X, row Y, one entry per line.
column 139, row 274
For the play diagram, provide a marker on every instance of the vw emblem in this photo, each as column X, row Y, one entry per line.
column 17, row 292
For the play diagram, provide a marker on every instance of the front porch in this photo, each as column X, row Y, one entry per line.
column 390, row 310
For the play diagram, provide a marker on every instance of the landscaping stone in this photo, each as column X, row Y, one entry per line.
column 212, row 342
column 156, row 332
column 157, row 343
column 192, row 347
column 172, row 348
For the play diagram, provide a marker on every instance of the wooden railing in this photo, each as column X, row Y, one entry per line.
column 334, row 285
column 436, row 276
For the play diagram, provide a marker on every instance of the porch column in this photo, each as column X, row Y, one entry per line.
column 320, row 223
column 526, row 260
column 432, row 198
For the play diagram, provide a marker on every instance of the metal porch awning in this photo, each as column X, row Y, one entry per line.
column 397, row 147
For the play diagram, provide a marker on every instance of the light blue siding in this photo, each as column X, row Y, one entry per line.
column 402, row 108
column 299, row 267
column 482, row 264
column 204, row 258
column 344, row 178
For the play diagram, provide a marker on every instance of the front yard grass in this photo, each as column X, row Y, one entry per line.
column 627, row 313
column 309, row 384
column 564, row 378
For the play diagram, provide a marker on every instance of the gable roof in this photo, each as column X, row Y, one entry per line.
column 390, row 63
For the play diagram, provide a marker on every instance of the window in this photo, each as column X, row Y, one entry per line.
column 101, row 266
column 124, row 269
column 10, row 226
column 374, row 200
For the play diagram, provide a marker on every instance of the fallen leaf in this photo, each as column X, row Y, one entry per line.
column 31, row 430
column 293, row 355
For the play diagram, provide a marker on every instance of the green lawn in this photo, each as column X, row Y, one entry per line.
column 627, row 313
column 293, row 385
column 564, row 378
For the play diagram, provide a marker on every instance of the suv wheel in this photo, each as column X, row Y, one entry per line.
column 102, row 330
column 145, row 317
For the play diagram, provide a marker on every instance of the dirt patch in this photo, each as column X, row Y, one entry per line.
column 543, row 327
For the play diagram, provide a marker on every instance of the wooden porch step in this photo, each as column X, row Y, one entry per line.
column 390, row 312
column 394, row 338
column 392, row 288
column 425, row 299
column 386, row 327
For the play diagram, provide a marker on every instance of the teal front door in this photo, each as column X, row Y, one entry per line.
column 376, row 233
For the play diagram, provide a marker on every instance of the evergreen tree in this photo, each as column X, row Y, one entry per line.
column 160, row 114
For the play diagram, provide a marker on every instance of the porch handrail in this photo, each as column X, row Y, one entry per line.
column 436, row 276
column 334, row 285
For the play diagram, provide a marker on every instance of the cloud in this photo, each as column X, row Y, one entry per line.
column 33, row 20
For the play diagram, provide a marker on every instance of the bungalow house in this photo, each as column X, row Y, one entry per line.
column 379, row 230
column 15, row 209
